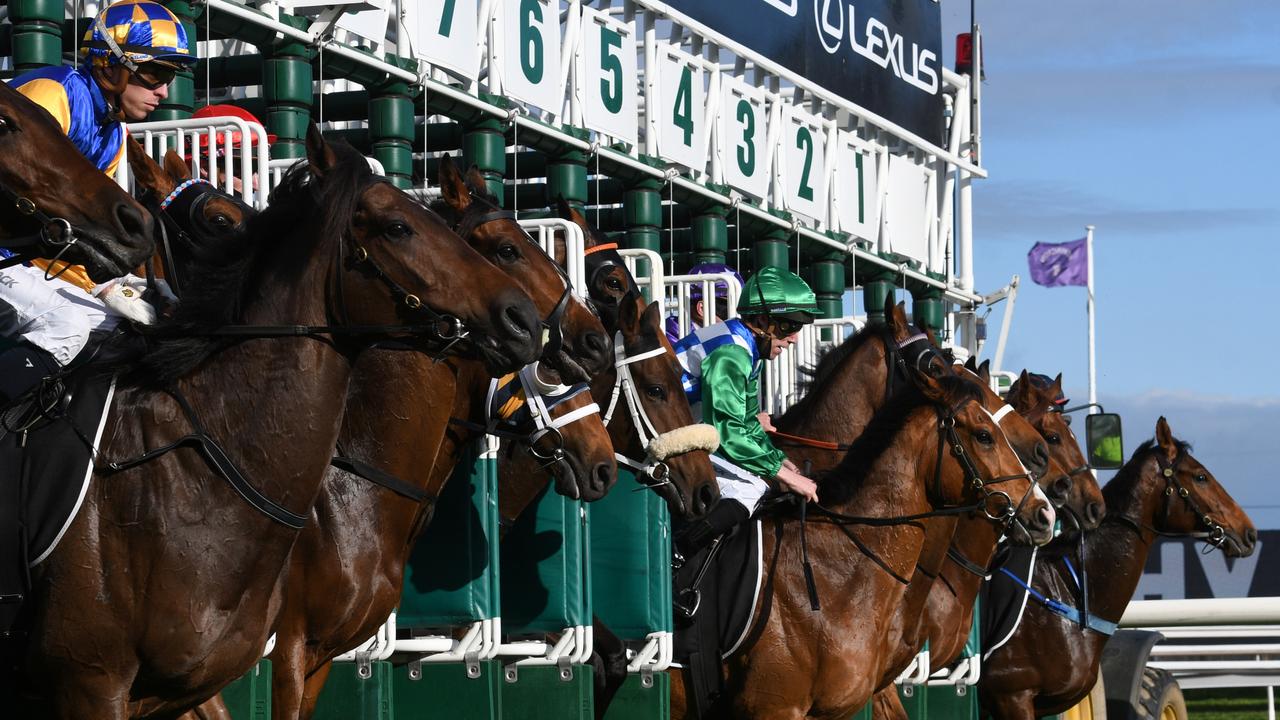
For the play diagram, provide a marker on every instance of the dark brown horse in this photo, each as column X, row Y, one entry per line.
column 55, row 203
column 165, row 586
column 398, row 420
column 797, row 662
column 1050, row 663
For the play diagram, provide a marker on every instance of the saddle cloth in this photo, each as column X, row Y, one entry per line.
column 45, row 467
column 1004, row 600
column 728, row 593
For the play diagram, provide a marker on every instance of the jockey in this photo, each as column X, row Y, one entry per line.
column 131, row 54
column 697, row 313
column 722, row 365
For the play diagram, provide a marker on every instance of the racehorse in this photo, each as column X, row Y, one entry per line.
column 185, row 575
column 397, row 412
column 1051, row 663
column 796, row 661
column 55, row 204
column 967, row 553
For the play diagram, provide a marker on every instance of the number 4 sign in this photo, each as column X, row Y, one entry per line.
column 804, row 167
column 607, row 76
column 679, row 108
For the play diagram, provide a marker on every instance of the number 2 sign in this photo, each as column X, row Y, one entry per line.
column 804, row 168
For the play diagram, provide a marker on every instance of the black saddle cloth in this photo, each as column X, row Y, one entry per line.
column 1004, row 600
column 728, row 592
column 46, row 449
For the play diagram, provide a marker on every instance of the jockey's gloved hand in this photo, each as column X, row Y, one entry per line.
column 123, row 296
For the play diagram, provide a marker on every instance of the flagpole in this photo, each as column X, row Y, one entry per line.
column 1093, row 370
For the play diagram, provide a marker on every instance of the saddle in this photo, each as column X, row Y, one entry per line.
column 47, row 440
column 718, row 585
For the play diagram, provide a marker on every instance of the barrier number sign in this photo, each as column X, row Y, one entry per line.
column 680, row 108
column 448, row 32
column 855, row 187
column 531, row 52
column 742, row 146
column 607, row 76
column 804, row 166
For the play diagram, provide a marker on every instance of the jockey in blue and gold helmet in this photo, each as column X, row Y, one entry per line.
column 131, row 54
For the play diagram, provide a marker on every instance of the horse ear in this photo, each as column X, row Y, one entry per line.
column 629, row 311
column 984, row 371
column 1057, row 385
column 145, row 170
column 896, row 315
column 652, row 317
column 176, row 166
column 931, row 387
column 1164, row 438
column 475, row 182
column 453, row 187
column 971, row 364
column 320, row 156
column 1017, row 396
column 563, row 209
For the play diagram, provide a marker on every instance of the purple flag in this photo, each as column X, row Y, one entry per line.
column 1058, row 264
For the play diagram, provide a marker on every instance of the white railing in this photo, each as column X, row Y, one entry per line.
column 545, row 232
column 212, row 147
column 678, row 298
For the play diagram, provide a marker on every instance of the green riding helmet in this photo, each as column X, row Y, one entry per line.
column 778, row 293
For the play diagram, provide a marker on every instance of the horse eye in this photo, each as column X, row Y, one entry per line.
column 1200, row 478
column 984, row 437
column 657, row 392
column 508, row 253
column 614, row 283
column 220, row 221
column 4, row 124
column 1054, row 439
column 398, row 230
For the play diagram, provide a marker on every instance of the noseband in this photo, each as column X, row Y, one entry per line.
column 37, row 244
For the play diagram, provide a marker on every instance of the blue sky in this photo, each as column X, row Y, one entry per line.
column 1157, row 123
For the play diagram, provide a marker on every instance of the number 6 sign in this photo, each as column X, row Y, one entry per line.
column 531, row 49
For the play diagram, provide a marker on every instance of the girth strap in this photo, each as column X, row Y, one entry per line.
column 220, row 462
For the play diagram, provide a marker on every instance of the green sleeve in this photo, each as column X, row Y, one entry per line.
column 730, row 401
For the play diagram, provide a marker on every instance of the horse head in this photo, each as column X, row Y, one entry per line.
column 608, row 280
column 577, row 346
column 1040, row 401
column 654, row 416
column 55, row 204
column 987, row 469
column 1182, row 497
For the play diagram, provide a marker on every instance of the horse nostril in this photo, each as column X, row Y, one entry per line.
column 1060, row 489
column 1093, row 514
column 704, row 497
column 1251, row 537
column 602, row 477
column 132, row 221
column 1041, row 456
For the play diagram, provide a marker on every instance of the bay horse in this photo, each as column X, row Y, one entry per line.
column 166, row 583
column 797, row 662
column 1051, row 663
column 947, row 615
column 396, row 415
column 56, row 204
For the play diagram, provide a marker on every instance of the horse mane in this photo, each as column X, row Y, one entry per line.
column 305, row 216
column 828, row 364
column 1115, row 492
column 839, row 485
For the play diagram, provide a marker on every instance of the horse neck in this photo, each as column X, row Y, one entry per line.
column 1117, row 552
column 975, row 539
column 897, row 481
column 839, row 410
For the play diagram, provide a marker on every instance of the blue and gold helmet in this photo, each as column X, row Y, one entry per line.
column 133, row 32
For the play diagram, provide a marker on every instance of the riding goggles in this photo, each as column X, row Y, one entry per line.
column 154, row 75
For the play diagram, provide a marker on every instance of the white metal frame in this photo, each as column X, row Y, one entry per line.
column 184, row 137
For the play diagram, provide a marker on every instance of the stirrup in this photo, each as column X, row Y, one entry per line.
column 686, row 610
column 677, row 560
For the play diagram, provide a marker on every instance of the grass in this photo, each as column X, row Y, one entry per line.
column 1227, row 704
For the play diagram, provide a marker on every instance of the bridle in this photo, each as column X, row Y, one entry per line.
column 518, row 406
column 1214, row 536
column 36, row 245
column 187, row 200
column 652, row 470
column 470, row 221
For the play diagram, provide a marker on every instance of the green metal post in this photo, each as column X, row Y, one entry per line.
column 182, row 91
column 37, row 33
column 286, row 84
column 391, row 128
column 826, row 277
column 711, row 235
column 642, row 208
column 485, row 146
column 770, row 249
column 874, row 292
column 567, row 178
column 927, row 309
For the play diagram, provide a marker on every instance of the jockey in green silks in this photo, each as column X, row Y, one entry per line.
column 722, row 366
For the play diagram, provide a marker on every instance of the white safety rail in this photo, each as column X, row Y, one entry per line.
column 678, row 292
column 654, row 283
column 194, row 138
column 546, row 232
column 1214, row 643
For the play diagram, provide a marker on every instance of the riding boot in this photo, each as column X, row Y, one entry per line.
column 725, row 516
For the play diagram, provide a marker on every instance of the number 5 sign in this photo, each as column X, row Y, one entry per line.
column 679, row 108
column 531, row 52
column 742, row 151
column 804, row 166
column 607, row 76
